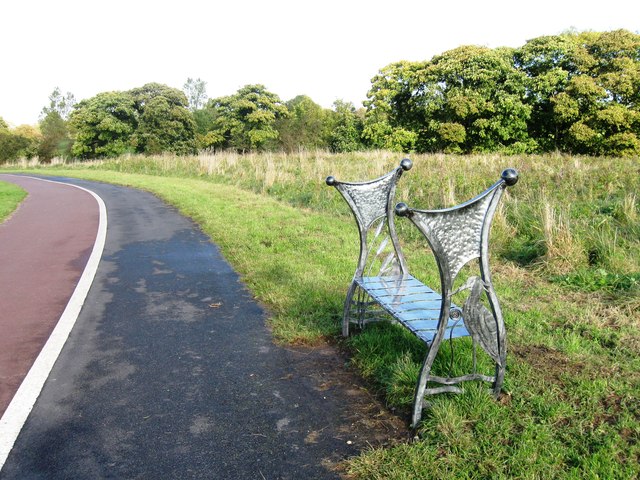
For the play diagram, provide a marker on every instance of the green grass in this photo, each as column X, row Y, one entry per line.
column 10, row 197
column 565, row 257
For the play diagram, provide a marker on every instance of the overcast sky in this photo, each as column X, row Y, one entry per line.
column 328, row 49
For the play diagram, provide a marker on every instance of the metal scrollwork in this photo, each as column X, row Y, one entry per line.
column 480, row 322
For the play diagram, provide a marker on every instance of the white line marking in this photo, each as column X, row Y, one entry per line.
column 25, row 398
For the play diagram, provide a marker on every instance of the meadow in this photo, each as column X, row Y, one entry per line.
column 565, row 251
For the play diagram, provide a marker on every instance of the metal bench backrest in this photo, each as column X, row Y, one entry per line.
column 460, row 234
column 372, row 205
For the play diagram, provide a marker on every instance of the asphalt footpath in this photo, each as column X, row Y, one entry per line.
column 171, row 372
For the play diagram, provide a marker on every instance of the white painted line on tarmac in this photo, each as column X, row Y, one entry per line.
column 25, row 398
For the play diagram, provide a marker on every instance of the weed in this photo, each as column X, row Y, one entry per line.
column 563, row 251
column 600, row 280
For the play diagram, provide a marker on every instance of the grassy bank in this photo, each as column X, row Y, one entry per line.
column 10, row 197
column 566, row 262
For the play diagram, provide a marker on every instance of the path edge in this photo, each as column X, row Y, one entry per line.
column 25, row 398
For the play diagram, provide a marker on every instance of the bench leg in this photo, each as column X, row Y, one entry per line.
column 347, row 309
column 497, row 385
column 421, row 387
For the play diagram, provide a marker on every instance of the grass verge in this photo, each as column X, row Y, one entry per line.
column 10, row 197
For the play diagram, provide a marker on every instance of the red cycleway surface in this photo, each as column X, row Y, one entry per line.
column 44, row 247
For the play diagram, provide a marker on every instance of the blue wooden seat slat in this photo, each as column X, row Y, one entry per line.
column 412, row 304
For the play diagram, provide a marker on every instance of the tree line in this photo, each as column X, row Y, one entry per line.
column 577, row 92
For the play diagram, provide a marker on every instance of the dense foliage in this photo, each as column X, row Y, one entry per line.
column 305, row 126
column 575, row 92
column 468, row 99
column 22, row 141
column 103, row 125
column 246, row 120
column 150, row 119
column 584, row 91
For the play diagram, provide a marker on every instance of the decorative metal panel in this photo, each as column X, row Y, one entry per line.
column 370, row 199
column 481, row 323
column 456, row 235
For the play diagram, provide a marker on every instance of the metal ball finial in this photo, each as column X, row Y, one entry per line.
column 331, row 181
column 402, row 209
column 406, row 164
column 510, row 176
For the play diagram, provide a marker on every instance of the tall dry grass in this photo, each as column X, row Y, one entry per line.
column 567, row 213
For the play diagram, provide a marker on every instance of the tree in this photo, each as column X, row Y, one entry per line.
column 55, row 137
column 246, row 120
column 392, row 120
column 609, row 102
column 60, row 104
column 575, row 92
column 165, row 127
column 549, row 62
column 33, row 138
column 472, row 99
column 149, row 119
column 306, row 126
column 346, row 127
column 584, row 90
column 103, row 125
column 164, row 122
column 11, row 145
column 55, row 141
column 196, row 91
column 465, row 100
column 21, row 141
column 142, row 95
column 205, row 123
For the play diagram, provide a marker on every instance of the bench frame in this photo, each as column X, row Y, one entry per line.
column 456, row 236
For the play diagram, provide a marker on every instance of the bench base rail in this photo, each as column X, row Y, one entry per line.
column 463, row 378
column 449, row 383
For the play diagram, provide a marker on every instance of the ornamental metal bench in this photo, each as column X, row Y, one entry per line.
column 382, row 285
